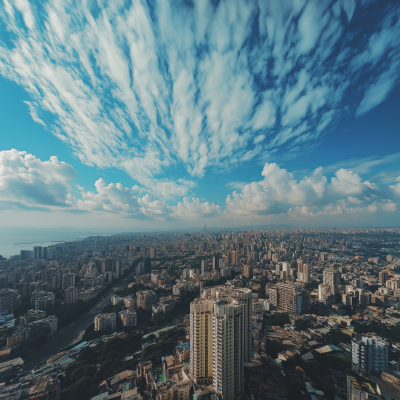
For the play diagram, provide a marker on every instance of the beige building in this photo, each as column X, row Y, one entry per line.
column 289, row 298
column 303, row 272
column 232, row 258
column 220, row 340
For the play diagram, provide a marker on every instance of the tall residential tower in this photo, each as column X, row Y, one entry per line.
column 220, row 340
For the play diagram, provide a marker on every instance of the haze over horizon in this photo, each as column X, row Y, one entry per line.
column 133, row 116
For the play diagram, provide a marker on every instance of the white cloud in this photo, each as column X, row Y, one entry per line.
column 194, row 85
column 280, row 193
column 193, row 208
column 29, row 181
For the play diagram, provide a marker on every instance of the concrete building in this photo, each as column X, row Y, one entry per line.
column 303, row 272
column 146, row 299
column 105, row 322
column 331, row 278
column 8, row 300
column 71, row 295
column 128, row 317
column 204, row 266
column 383, row 277
column 220, row 339
column 68, row 280
column 289, row 298
column 232, row 258
column 369, row 354
column 248, row 271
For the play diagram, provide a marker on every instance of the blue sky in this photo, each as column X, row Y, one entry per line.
column 139, row 115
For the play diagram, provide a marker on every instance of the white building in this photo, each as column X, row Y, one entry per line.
column 369, row 354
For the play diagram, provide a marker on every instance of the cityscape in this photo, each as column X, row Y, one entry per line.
column 199, row 200
column 206, row 314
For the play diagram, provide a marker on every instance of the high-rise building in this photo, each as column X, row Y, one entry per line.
column 215, row 263
column 232, row 258
column 383, row 277
column 289, row 298
column 25, row 254
column 303, row 272
column 68, row 280
column 369, row 354
column 8, row 300
column 71, row 295
column 152, row 252
column 331, row 278
column 220, row 339
column 248, row 271
column 37, row 252
column 204, row 266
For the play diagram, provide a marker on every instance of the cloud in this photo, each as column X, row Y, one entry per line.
column 193, row 208
column 280, row 193
column 200, row 86
column 27, row 180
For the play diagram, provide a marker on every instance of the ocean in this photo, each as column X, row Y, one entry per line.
column 12, row 240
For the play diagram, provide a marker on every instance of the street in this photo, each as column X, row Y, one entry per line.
column 70, row 335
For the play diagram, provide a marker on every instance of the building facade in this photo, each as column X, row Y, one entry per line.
column 369, row 354
column 220, row 340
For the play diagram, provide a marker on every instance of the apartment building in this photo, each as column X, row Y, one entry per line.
column 105, row 322
column 145, row 299
column 369, row 353
column 289, row 298
column 220, row 339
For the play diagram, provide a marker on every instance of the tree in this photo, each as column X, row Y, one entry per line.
column 300, row 324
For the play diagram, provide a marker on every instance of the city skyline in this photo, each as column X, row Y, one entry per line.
column 145, row 115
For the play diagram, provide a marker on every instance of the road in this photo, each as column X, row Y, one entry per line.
column 70, row 335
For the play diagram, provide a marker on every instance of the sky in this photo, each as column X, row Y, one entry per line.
column 135, row 115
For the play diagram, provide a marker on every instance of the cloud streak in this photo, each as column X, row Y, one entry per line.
column 203, row 86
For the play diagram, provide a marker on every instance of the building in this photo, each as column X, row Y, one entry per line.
column 360, row 391
column 383, row 277
column 146, row 299
column 204, row 266
column 220, row 339
column 369, row 354
column 289, row 298
column 303, row 272
column 215, row 262
column 105, row 322
column 41, row 300
column 8, row 300
column 331, row 278
column 232, row 258
column 68, row 280
column 128, row 317
column 71, row 295
column 248, row 271
column 373, row 388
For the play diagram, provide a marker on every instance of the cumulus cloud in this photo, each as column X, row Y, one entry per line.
column 281, row 193
column 27, row 180
column 204, row 85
